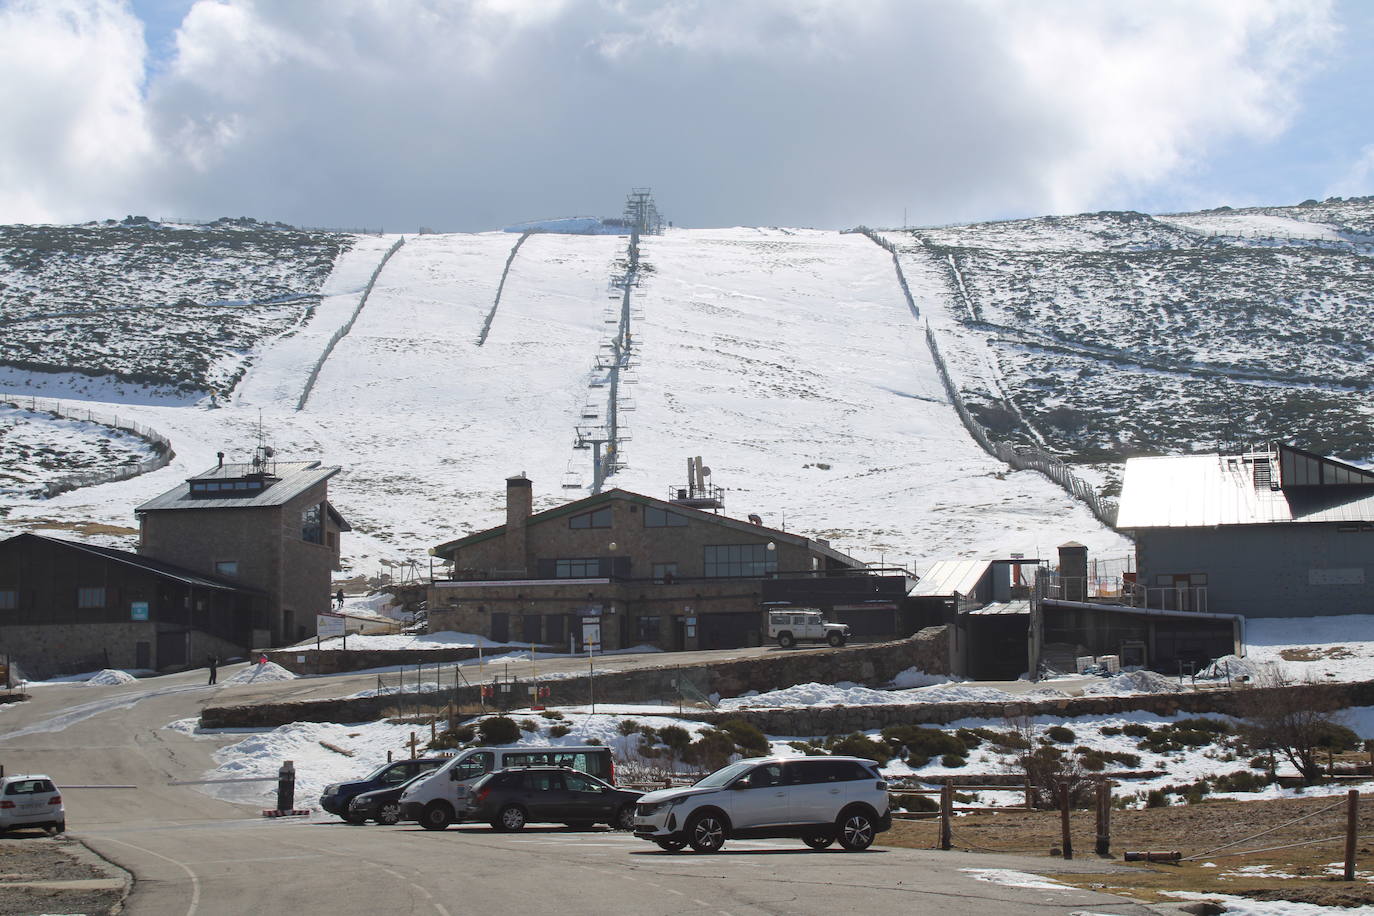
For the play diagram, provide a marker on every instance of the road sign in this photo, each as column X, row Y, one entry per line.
column 327, row 625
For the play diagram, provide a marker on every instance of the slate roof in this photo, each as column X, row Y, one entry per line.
column 166, row 570
column 293, row 479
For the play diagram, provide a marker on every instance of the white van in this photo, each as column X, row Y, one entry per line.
column 436, row 800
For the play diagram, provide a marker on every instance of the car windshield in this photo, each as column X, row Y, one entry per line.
column 724, row 775
column 377, row 773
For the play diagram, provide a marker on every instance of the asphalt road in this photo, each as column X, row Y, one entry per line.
column 191, row 854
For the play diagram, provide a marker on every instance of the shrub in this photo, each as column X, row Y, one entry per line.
column 711, row 751
column 970, row 737
column 558, row 731
column 529, row 725
column 747, row 737
column 1009, row 740
column 807, row 748
column 1240, row 781
column 928, row 742
column 1202, row 724
column 1136, row 730
column 676, row 737
column 953, row 760
column 860, row 745
column 1060, row 734
column 498, row 730
column 627, row 727
column 1156, row 798
column 1110, row 730
column 452, row 738
column 551, row 714
column 920, row 804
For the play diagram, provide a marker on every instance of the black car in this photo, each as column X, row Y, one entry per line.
column 337, row 795
column 509, row 799
column 380, row 805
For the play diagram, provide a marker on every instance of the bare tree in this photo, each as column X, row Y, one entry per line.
column 1295, row 719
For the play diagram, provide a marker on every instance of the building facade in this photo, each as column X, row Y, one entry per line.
column 267, row 525
column 617, row 570
column 68, row 607
column 1276, row 532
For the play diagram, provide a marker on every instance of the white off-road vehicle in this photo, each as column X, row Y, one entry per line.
column 804, row 625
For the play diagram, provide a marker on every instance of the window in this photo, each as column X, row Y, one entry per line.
column 662, row 518
column 600, row 518
column 229, row 568
column 311, row 528
column 664, row 572
column 581, row 568
column 728, row 560
column 9, row 599
column 804, row 772
column 647, row 629
column 90, row 597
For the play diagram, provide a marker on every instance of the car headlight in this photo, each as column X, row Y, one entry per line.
column 332, row 789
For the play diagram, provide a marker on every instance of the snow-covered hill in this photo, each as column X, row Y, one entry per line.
column 789, row 360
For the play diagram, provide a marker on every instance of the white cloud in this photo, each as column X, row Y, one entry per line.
column 1358, row 179
column 471, row 113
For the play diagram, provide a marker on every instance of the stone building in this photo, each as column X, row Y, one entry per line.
column 267, row 525
column 619, row 569
column 67, row 607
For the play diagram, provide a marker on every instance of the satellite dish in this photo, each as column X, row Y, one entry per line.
column 705, row 472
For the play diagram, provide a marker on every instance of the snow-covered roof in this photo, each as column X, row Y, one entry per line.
column 1281, row 486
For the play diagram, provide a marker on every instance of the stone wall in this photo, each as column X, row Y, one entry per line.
column 667, row 684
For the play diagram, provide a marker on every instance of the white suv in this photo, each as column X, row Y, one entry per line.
column 805, row 625
column 819, row 799
column 31, row 801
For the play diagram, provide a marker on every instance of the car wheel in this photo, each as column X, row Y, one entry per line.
column 625, row 818
column 856, row 831
column 390, row 814
column 670, row 845
column 706, row 832
column 436, row 816
column 511, row 818
column 786, row 640
column 818, row 840
column 835, row 639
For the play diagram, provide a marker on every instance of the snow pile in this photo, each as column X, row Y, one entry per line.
column 915, row 677
column 110, row 678
column 1132, row 682
column 1237, row 669
column 442, row 640
column 1244, row 906
column 1008, row 878
column 255, row 674
column 844, row 693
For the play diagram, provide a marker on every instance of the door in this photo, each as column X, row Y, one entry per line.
column 585, row 800
column 817, row 790
column 500, row 627
column 543, row 796
column 758, row 799
column 143, row 654
column 171, row 649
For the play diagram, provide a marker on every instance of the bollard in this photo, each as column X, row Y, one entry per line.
column 1104, row 819
column 286, row 786
column 1352, row 820
column 1064, row 819
column 947, row 814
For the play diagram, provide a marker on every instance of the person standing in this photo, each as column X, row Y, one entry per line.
column 214, row 668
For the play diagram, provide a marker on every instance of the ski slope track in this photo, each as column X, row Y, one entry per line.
column 790, row 360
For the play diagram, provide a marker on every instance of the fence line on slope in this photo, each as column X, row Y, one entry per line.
column 162, row 446
column 1025, row 459
column 901, row 277
column 491, row 315
column 342, row 332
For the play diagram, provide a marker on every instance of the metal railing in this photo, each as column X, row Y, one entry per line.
column 162, row 446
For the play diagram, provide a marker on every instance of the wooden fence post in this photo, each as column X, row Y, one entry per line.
column 1064, row 819
column 1104, row 818
column 947, row 814
column 1352, row 812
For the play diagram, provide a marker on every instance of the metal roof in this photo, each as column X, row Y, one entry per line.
column 1195, row 491
column 1002, row 609
column 295, row 477
column 948, row 577
column 166, row 570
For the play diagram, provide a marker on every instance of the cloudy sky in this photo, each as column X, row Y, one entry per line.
column 473, row 114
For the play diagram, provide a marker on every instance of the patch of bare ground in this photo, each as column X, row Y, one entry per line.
column 84, row 528
column 41, row 874
column 1315, row 653
column 1307, row 873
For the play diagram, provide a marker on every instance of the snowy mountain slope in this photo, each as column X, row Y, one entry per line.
column 772, row 353
column 1106, row 335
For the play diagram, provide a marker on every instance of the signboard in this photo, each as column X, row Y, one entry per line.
column 327, row 625
column 591, row 635
column 138, row 610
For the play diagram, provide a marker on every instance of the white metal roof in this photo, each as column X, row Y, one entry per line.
column 1193, row 491
column 946, row 577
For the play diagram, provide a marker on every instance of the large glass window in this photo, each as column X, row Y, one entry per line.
column 664, row 572
column 312, row 529
column 90, row 597
column 579, row 568
column 647, row 629
column 731, row 560
column 662, row 518
column 599, row 518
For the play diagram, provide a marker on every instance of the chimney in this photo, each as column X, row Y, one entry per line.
column 1073, row 571
column 519, row 505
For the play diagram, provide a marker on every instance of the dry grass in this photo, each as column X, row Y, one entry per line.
column 83, row 528
column 1302, row 873
column 1315, row 653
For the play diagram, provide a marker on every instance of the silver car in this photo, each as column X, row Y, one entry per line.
column 817, row 799
column 31, row 801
